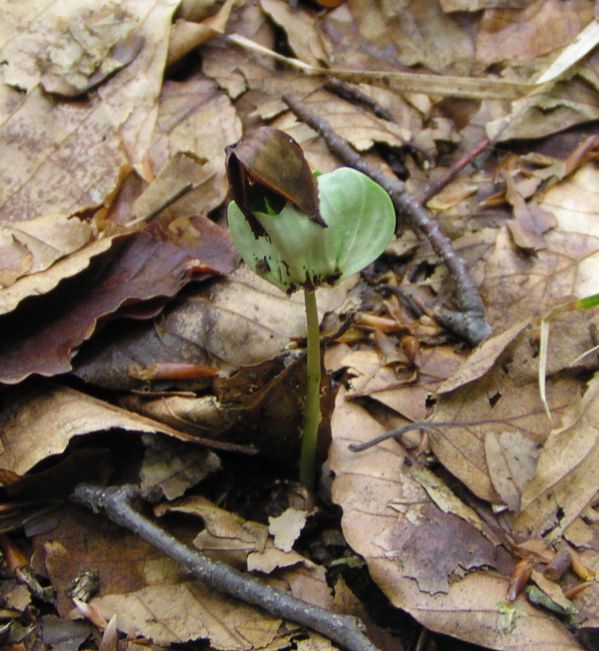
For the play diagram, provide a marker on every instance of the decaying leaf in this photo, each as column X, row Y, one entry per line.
column 399, row 554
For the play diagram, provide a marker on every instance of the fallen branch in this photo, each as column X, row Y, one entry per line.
column 469, row 322
column 116, row 503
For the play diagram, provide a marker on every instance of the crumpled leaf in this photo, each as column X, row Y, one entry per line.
column 143, row 268
column 90, row 52
column 300, row 28
column 385, row 515
column 366, row 34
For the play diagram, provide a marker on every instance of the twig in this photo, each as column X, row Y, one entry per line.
column 421, row 424
column 469, row 322
column 116, row 502
column 436, row 186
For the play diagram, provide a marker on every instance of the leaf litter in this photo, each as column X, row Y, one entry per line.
column 113, row 190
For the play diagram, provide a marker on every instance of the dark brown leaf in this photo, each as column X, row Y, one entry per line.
column 269, row 164
column 45, row 333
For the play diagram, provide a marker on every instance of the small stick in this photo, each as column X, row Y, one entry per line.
column 116, row 502
column 469, row 322
column 420, row 424
column 436, row 186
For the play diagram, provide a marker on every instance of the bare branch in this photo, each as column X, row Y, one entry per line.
column 116, row 503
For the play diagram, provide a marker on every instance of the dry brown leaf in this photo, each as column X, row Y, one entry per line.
column 516, row 286
column 366, row 34
column 237, row 322
column 512, row 460
column 300, row 27
column 574, row 204
column 149, row 594
column 406, row 395
column 505, row 400
column 39, row 421
column 552, row 109
column 529, row 221
column 72, row 154
column 29, row 247
column 286, row 528
column 477, row 5
column 473, row 606
column 542, row 27
column 566, row 476
column 170, row 468
column 144, row 268
column 195, row 118
column 483, row 358
column 44, row 282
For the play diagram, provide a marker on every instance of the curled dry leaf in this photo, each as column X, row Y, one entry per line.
column 41, row 283
column 41, row 420
column 301, row 30
column 30, row 247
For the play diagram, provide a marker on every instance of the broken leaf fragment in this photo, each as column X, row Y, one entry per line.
column 297, row 252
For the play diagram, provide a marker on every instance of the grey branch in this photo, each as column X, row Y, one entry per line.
column 469, row 322
column 345, row 630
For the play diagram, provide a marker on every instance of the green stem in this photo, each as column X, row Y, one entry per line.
column 312, row 409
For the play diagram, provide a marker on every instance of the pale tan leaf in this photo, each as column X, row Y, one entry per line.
column 300, row 27
column 72, row 154
column 483, row 358
column 286, row 528
column 574, row 203
column 28, row 247
column 511, row 459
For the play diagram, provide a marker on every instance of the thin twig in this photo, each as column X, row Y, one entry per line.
column 420, row 424
column 436, row 186
column 116, row 502
column 469, row 322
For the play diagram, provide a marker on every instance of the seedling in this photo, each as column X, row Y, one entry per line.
column 299, row 231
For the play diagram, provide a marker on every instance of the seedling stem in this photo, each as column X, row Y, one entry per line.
column 312, row 409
